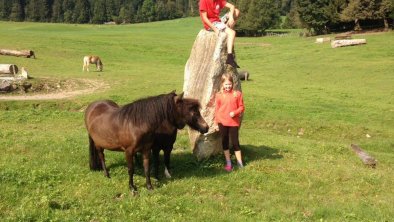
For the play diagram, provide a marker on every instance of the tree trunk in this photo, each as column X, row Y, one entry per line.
column 357, row 26
column 8, row 69
column 202, row 80
column 386, row 24
column 347, row 42
column 21, row 53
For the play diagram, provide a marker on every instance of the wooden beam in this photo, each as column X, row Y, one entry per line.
column 20, row 53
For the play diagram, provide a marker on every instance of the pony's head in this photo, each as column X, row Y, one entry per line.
column 188, row 113
column 100, row 65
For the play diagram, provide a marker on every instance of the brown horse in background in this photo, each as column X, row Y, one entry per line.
column 91, row 59
column 131, row 128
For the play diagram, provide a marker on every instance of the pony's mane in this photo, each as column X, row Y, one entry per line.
column 151, row 110
column 191, row 103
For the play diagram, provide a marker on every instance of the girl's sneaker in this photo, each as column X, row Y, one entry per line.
column 228, row 168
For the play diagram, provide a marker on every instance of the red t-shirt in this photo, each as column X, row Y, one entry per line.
column 226, row 102
column 212, row 7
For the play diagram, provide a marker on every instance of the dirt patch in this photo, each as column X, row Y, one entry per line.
column 44, row 89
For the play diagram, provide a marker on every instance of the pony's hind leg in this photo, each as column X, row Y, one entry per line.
column 102, row 160
column 94, row 159
column 146, row 156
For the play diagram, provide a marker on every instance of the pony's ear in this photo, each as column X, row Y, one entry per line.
column 173, row 91
column 179, row 98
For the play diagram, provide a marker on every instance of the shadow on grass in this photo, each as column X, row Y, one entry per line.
column 185, row 165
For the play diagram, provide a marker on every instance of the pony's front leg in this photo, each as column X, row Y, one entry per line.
column 130, row 166
column 156, row 161
column 146, row 155
column 167, row 156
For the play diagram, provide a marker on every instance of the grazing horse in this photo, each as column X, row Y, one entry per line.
column 131, row 128
column 90, row 59
column 164, row 139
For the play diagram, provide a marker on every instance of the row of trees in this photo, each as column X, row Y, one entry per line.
column 96, row 11
column 318, row 16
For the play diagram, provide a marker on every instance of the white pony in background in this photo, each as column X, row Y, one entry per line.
column 91, row 59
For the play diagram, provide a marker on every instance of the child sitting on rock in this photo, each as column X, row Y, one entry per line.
column 209, row 13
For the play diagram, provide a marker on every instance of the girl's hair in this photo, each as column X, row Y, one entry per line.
column 226, row 76
column 229, row 77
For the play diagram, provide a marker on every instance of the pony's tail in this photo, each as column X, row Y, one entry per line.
column 94, row 160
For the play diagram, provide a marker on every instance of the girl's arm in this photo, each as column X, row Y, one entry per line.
column 240, row 105
column 217, row 105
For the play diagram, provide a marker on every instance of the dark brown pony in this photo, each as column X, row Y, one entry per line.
column 131, row 128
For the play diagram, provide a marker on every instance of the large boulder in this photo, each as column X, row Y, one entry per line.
column 202, row 79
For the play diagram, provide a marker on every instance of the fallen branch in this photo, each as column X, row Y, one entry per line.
column 365, row 157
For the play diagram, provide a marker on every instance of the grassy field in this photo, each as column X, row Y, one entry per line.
column 305, row 104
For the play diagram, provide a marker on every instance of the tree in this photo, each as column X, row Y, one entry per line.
column 386, row 7
column 68, row 7
column 257, row 15
column 33, row 10
column 5, row 9
column 161, row 10
column 314, row 15
column 81, row 11
column 147, row 13
column 292, row 19
column 17, row 14
column 57, row 11
column 99, row 13
column 358, row 10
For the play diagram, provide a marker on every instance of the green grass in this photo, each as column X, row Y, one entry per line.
column 335, row 96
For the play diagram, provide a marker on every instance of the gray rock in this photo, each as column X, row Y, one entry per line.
column 5, row 86
column 202, row 77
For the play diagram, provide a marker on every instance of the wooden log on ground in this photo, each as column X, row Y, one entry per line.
column 8, row 69
column 202, row 79
column 19, row 53
column 322, row 40
column 365, row 157
column 347, row 42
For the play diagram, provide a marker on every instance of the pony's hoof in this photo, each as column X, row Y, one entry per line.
column 135, row 193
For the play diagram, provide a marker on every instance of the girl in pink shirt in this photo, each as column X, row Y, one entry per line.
column 229, row 106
